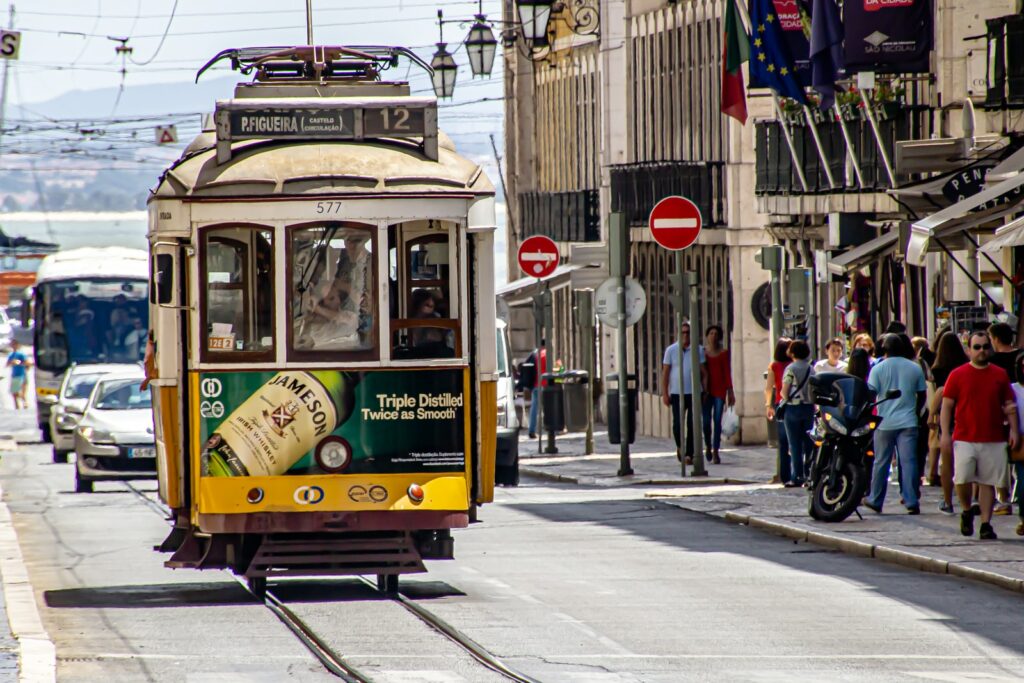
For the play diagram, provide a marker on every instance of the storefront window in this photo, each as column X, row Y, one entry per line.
column 333, row 297
column 238, row 303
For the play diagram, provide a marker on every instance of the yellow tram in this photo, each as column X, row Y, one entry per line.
column 323, row 317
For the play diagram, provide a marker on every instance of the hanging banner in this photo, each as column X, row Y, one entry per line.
column 794, row 17
column 887, row 36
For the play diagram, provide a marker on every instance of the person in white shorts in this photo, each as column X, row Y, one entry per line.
column 980, row 397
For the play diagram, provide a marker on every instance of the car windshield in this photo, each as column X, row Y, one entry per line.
column 80, row 386
column 123, row 394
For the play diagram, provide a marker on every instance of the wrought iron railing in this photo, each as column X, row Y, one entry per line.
column 636, row 188
column 776, row 166
column 562, row 216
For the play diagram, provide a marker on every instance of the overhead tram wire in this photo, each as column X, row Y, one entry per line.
column 319, row 10
column 160, row 45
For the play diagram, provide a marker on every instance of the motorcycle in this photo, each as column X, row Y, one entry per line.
column 843, row 439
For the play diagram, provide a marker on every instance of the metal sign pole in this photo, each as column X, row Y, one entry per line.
column 585, row 319
column 550, row 364
column 538, row 331
column 618, row 245
column 696, row 412
column 683, row 297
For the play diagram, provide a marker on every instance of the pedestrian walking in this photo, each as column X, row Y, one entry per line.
column 799, row 411
column 1004, row 354
column 1017, row 454
column 538, row 360
column 859, row 364
column 864, row 341
column 898, row 429
column 833, row 360
column 979, row 396
column 949, row 355
column 670, row 388
column 18, row 362
column 772, row 397
column 719, row 393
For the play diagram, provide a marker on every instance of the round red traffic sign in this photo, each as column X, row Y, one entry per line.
column 538, row 256
column 675, row 223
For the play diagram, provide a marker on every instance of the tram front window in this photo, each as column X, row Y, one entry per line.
column 424, row 318
column 239, row 301
column 333, row 297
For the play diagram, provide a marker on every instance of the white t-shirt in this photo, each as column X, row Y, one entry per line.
column 823, row 366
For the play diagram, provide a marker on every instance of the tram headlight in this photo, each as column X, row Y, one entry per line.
column 415, row 493
column 93, row 435
column 333, row 454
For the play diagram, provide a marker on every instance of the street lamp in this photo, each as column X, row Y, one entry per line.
column 443, row 64
column 481, row 46
column 533, row 17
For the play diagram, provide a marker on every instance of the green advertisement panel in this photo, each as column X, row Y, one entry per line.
column 322, row 421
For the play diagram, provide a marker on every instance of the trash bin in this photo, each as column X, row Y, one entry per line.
column 552, row 403
column 612, row 398
column 575, row 394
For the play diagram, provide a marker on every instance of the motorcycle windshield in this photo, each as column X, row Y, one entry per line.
column 854, row 394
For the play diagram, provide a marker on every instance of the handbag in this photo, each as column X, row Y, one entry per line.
column 780, row 410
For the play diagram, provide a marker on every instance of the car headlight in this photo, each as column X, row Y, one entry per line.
column 835, row 425
column 67, row 421
column 94, row 435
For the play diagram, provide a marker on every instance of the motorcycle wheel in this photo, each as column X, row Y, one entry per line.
column 834, row 504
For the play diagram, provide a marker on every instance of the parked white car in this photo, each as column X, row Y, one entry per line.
column 72, row 397
column 114, row 438
column 507, row 456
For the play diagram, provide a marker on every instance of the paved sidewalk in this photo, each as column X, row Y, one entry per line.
column 739, row 491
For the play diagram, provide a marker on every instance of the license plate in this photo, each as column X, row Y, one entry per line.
column 141, row 452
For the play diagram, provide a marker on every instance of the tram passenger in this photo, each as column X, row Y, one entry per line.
column 424, row 305
column 341, row 317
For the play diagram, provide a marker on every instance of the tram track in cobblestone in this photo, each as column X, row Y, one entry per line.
column 336, row 663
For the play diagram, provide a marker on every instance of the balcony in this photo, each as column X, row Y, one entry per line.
column 776, row 170
column 562, row 216
column 636, row 188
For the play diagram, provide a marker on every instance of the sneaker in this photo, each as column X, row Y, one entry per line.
column 792, row 484
column 1002, row 509
column 946, row 508
column 1020, row 528
column 967, row 522
column 689, row 460
column 975, row 509
column 715, row 460
column 987, row 533
column 869, row 506
column 532, row 435
column 914, row 510
column 707, row 455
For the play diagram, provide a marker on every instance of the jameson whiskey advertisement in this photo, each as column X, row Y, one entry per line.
column 265, row 424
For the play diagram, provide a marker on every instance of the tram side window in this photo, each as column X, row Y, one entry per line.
column 424, row 319
column 334, row 290
column 239, row 279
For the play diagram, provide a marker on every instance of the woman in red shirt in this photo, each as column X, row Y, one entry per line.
column 719, row 390
column 772, row 396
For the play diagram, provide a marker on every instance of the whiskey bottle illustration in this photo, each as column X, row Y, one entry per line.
column 279, row 423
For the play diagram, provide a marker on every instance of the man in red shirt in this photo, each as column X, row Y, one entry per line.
column 980, row 397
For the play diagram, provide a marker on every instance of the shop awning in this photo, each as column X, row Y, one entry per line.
column 963, row 216
column 521, row 291
column 864, row 254
column 1010, row 235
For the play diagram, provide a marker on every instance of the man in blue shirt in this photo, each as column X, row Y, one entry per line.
column 898, row 428
column 670, row 388
column 18, row 363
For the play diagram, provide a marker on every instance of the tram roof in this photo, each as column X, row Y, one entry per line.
column 94, row 262
column 275, row 167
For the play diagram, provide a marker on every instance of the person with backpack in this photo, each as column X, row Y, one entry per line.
column 530, row 372
column 798, row 414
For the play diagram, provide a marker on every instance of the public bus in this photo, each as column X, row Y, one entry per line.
column 324, row 326
column 88, row 305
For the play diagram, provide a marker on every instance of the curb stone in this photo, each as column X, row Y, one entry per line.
column 633, row 481
column 891, row 554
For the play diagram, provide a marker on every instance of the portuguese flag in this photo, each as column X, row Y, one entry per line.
column 736, row 51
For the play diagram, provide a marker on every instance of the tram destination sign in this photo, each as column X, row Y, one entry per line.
column 326, row 119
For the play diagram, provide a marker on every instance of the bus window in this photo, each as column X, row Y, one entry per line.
column 238, row 304
column 424, row 318
column 333, row 292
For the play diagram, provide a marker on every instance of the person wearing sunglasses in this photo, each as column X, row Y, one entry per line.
column 979, row 396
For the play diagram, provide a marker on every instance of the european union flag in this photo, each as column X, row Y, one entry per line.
column 770, row 62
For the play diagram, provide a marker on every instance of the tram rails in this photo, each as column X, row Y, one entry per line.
column 318, row 644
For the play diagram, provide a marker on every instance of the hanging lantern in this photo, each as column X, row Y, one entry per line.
column 445, row 70
column 534, row 16
column 481, row 46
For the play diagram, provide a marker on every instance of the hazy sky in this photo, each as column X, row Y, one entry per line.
column 56, row 57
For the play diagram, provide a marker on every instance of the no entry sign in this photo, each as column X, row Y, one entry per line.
column 538, row 256
column 675, row 223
